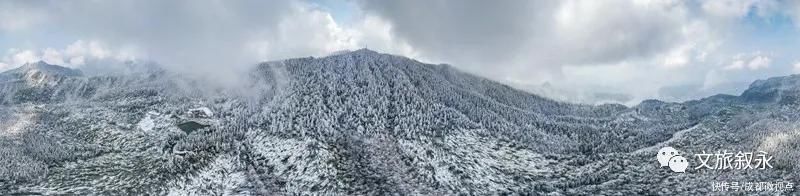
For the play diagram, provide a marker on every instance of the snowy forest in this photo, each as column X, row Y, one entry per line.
column 366, row 123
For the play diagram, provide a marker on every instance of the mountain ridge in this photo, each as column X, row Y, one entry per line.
column 44, row 68
column 789, row 83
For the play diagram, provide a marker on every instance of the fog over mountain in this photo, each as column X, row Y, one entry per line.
column 366, row 123
column 620, row 51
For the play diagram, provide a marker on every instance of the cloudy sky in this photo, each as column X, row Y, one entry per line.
column 666, row 49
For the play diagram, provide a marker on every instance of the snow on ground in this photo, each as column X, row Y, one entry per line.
column 302, row 164
column 146, row 124
column 201, row 112
column 19, row 120
column 222, row 177
column 471, row 161
column 153, row 120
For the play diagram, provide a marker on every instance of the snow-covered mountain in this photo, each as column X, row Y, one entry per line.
column 38, row 73
column 38, row 82
column 365, row 123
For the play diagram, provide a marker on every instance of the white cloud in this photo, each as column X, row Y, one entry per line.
column 754, row 61
column 796, row 67
column 532, row 42
column 735, row 65
column 83, row 48
column 307, row 31
column 729, row 10
column 679, row 56
column 629, row 29
column 375, row 33
column 759, row 62
column 25, row 56
column 525, row 36
column 51, row 56
column 77, row 61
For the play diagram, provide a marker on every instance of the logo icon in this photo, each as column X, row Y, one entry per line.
column 678, row 164
column 670, row 157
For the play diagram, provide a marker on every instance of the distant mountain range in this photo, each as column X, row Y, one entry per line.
column 365, row 123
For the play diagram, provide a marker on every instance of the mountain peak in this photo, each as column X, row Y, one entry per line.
column 365, row 50
column 36, row 64
column 46, row 68
column 39, row 73
column 774, row 89
column 362, row 51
